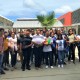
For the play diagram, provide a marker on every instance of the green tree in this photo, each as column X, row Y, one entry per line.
column 47, row 20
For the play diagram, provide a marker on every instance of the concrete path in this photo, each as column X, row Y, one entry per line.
column 69, row 72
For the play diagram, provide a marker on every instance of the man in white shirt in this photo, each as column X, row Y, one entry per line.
column 38, row 40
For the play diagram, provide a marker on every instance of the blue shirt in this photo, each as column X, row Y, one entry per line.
column 54, row 42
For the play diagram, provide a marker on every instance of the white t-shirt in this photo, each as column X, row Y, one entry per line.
column 13, row 43
column 48, row 48
column 78, row 36
column 60, row 44
column 31, row 35
column 38, row 39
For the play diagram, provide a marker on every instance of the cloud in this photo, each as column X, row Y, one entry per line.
column 34, row 5
column 31, row 8
column 29, row 3
column 63, row 9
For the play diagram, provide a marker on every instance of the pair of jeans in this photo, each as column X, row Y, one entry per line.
column 1, row 60
column 32, row 55
column 66, row 51
column 38, row 56
column 6, row 58
column 61, row 57
column 26, row 58
column 78, row 46
column 71, row 52
column 13, row 58
column 49, row 58
column 55, row 56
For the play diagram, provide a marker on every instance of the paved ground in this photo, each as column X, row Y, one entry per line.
column 69, row 72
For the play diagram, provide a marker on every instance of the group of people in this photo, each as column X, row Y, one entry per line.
column 38, row 46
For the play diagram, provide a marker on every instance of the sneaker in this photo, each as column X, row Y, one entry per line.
column 65, row 63
column 6, row 69
column 28, row 68
column 62, row 66
column 46, row 67
column 23, row 69
column 58, row 66
column 52, row 67
column 40, row 67
column 2, row 72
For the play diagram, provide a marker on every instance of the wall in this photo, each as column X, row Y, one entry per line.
column 66, row 19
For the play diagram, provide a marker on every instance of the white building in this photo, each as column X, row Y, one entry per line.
column 5, row 23
column 32, row 23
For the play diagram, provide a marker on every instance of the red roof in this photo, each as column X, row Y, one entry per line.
column 67, row 19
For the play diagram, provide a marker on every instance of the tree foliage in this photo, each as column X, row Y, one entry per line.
column 47, row 20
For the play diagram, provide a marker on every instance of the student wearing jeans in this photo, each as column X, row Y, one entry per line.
column 1, row 52
column 1, row 60
column 13, row 50
column 54, row 48
column 71, row 41
column 25, row 47
column 6, row 53
column 47, row 49
column 60, row 50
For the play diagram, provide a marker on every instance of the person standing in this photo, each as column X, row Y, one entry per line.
column 54, row 48
column 38, row 47
column 21, row 36
column 47, row 49
column 71, row 38
column 13, row 50
column 60, row 42
column 6, row 52
column 25, row 47
column 1, row 51
column 78, row 45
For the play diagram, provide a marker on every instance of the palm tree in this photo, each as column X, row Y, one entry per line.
column 47, row 20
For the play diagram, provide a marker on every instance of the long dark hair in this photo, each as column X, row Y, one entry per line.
column 69, row 31
column 59, row 37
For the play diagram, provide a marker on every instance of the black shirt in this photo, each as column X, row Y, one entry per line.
column 19, row 39
column 26, row 41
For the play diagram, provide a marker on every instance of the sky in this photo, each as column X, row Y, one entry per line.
column 13, row 9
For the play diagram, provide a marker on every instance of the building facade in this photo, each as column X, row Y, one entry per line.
column 32, row 23
column 66, row 19
column 76, row 16
column 71, row 20
column 76, row 20
column 5, row 23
